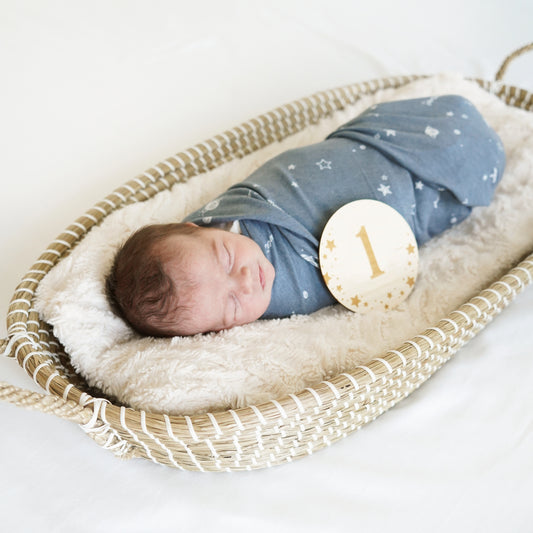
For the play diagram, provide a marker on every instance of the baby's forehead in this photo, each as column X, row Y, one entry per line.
column 179, row 256
column 174, row 250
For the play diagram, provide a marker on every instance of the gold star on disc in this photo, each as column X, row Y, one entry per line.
column 327, row 277
column 410, row 281
column 410, row 249
column 330, row 245
column 356, row 301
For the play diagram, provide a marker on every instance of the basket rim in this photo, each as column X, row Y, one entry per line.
column 34, row 347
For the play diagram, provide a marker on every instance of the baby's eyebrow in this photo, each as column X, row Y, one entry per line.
column 216, row 249
column 222, row 253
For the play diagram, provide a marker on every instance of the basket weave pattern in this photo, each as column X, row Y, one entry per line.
column 277, row 431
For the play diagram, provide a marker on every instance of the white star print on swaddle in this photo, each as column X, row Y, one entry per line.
column 323, row 164
column 431, row 132
column 384, row 189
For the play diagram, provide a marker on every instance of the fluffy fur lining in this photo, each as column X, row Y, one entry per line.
column 268, row 359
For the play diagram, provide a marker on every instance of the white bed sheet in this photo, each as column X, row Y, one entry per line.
column 91, row 95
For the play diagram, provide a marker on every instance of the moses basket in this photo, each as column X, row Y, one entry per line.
column 277, row 431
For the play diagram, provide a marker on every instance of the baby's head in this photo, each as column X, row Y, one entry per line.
column 182, row 279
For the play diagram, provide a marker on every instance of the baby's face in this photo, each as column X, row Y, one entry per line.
column 228, row 278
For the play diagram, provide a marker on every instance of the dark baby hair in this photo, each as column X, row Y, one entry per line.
column 137, row 287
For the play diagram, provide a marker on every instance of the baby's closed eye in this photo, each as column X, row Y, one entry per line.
column 228, row 259
column 232, row 305
column 235, row 306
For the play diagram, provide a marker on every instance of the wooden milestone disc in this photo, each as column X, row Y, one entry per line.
column 368, row 256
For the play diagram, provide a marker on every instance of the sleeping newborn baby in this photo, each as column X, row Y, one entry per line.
column 253, row 252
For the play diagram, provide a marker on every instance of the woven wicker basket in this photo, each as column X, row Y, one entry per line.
column 277, row 431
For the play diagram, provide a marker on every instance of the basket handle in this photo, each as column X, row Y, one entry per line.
column 86, row 416
column 46, row 403
column 512, row 56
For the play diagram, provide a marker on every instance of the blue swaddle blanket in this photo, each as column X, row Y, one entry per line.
column 431, row 159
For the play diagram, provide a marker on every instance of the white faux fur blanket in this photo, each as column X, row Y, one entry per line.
column 268, row 359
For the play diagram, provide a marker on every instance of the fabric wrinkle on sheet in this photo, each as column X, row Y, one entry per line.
column 431, row 159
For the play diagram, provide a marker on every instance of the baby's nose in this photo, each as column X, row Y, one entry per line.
column 245, row 280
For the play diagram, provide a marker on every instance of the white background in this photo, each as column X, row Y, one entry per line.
column 93, row 93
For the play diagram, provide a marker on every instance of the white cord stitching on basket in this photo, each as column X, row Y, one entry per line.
column 81, row 226
column 72, row 233
column 38, row 368
column 427, row 339
column 30, row 280
column 66, row 391
column 16, row 327
column 351, row 379
column 213, row 451
column 476, row 309
column 133, row 192
column 454, row 324
column 315, row 396
column 298, row 403
column 190, row 427
column 170, row 433
column 496, row 293
column 259, row 415
column 91, row 426
column 156, row 440
column 159, row 171
column 149, row 176
column 139, row 182
column 369, row 372
column 182, row 164
column 154, row 187
column 175, row 176
column 60, row 241
column 489, row 305
column 518, row 280
column 98, row 208
column 16, row 337
column 47, row 261
column 400, row 355
column 333, row 389
column 215, row 152
column 218, row 431
column 121, row 446
column 120, row 196
column 110, row 203
column 21, row 300
column 25, row 360
column 526, row 271
column 282, row 411
column 506, row 285
column 144, row 193
column 384, row 363
column 464, row 315
column 135, row 438
column 91, row 217
column 30, row 291
column 235, row 416
column 199, row 155
column 169, row 164
column 20, row 310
